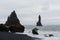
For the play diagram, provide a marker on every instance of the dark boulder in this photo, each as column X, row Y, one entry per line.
column 16, row 28
column 39, row 21
column 50, row 35
column 34, row 31
column 3, row 28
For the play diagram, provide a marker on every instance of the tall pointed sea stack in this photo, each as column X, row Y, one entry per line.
column 12, row 19
column 39, row 21
column 14, row 23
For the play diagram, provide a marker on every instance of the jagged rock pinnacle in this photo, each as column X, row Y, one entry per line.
column 39, row 21
column 14, row 23
column 12, row 19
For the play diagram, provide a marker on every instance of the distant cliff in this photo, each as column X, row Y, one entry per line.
column 39, row 21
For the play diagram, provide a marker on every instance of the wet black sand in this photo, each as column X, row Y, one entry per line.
column 11, row 36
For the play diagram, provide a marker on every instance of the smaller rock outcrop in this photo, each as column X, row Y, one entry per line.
column 48, row 35
column 39, row 21
column 34, row 31
column 3, row 28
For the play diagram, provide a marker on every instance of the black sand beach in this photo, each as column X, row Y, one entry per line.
column 11, row 36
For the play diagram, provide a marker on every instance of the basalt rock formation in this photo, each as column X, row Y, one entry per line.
column 12, row 19
column 16, row 28
column 3, row 28
column 14, row 23
column 34, row 31
column 39, row 21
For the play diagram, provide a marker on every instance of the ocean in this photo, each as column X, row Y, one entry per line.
column 44, row 28
column 44, row 32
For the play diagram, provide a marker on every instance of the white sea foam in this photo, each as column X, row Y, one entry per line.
column 44, row 32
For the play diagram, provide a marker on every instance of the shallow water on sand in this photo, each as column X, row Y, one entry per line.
column 44, row 32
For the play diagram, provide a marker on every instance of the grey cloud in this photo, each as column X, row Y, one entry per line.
column 26, row 9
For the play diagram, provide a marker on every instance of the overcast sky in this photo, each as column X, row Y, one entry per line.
column 28, row 11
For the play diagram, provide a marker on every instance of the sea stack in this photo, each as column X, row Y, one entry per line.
column 39, row 21
column 14, row 23
column 12, row 19
column 34, row 31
